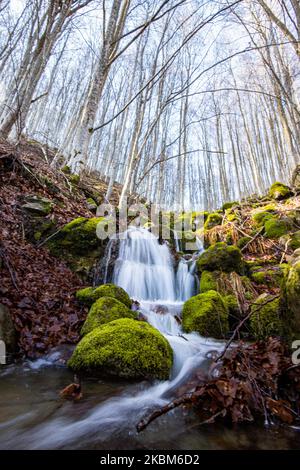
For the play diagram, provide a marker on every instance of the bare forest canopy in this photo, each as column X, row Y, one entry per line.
column 187, row 102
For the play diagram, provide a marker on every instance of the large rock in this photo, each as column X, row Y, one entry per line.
column 37, row 205
column 276, row 228
column 89, row 295
column 8, row 332
column 207, row 314
column 221, row 257
column 124, row 348
column 78, row 244
column 279, row 191
column 105, row 310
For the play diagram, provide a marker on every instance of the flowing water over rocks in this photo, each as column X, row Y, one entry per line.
column 33, row 417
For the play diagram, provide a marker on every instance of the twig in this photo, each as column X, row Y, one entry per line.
column 253, row 238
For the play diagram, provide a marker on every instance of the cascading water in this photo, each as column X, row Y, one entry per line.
column 144, row 267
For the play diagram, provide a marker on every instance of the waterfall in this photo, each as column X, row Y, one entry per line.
column 144, row 267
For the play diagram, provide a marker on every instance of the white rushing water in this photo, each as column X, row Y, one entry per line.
column 145, row 269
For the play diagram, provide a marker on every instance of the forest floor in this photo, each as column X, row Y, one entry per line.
column 37, row 287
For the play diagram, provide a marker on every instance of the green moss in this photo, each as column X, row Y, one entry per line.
column 125, row 348
column 207, row 314
column 229, row 205
column 37, row 205
column 276, row 228
column 242, row 242
column 105, row 310
column 279, row 191
column 232, row 305
column 208, row 281
column 66, row 169
column 89, row 295
column 270, row 277
column 77, row 236
column 74, row 179
column 265, row 318
column 221, row 257
column 92, row 205
column 213, row 220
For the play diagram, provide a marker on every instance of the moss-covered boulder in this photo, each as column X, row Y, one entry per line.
column 207, row 314
column 77, row 236
column 243, row 241
column 78, row 244
column 105, row 310
column 37, row 205
column 279, row 191
column 270, row 276
column 265, row 318
column 276, row 228
column 213, row 220
column 221, row 257
column 292, row 240
column 229, row 205
column 89, row 295
column 260, row 216
column 124, row 348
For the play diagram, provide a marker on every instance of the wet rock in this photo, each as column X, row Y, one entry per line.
column 37, row 205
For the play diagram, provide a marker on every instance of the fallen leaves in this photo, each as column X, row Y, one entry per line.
column 254, row 381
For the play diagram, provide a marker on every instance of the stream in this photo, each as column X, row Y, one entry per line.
column 33, row 417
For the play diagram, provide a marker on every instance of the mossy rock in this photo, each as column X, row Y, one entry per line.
column 207, row 314
column 91, row 204
column 233, row 306
column 265, row 318
column 221, row 257
column 213, row 220
column 74, row 179
column 78, row 236
column 209, row 281
column 261, row 216
column 66, row 169
column 37, row 205
column 105, row 310
column 89, row 295
column 242, row 242
column 276, row 228
column 270, row 277
column 124, row 348
column 279, row 191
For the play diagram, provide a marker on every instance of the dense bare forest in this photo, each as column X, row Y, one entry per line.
column 168, row 98
column 149, row 226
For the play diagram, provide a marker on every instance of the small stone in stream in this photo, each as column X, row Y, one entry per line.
column 71, row 392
